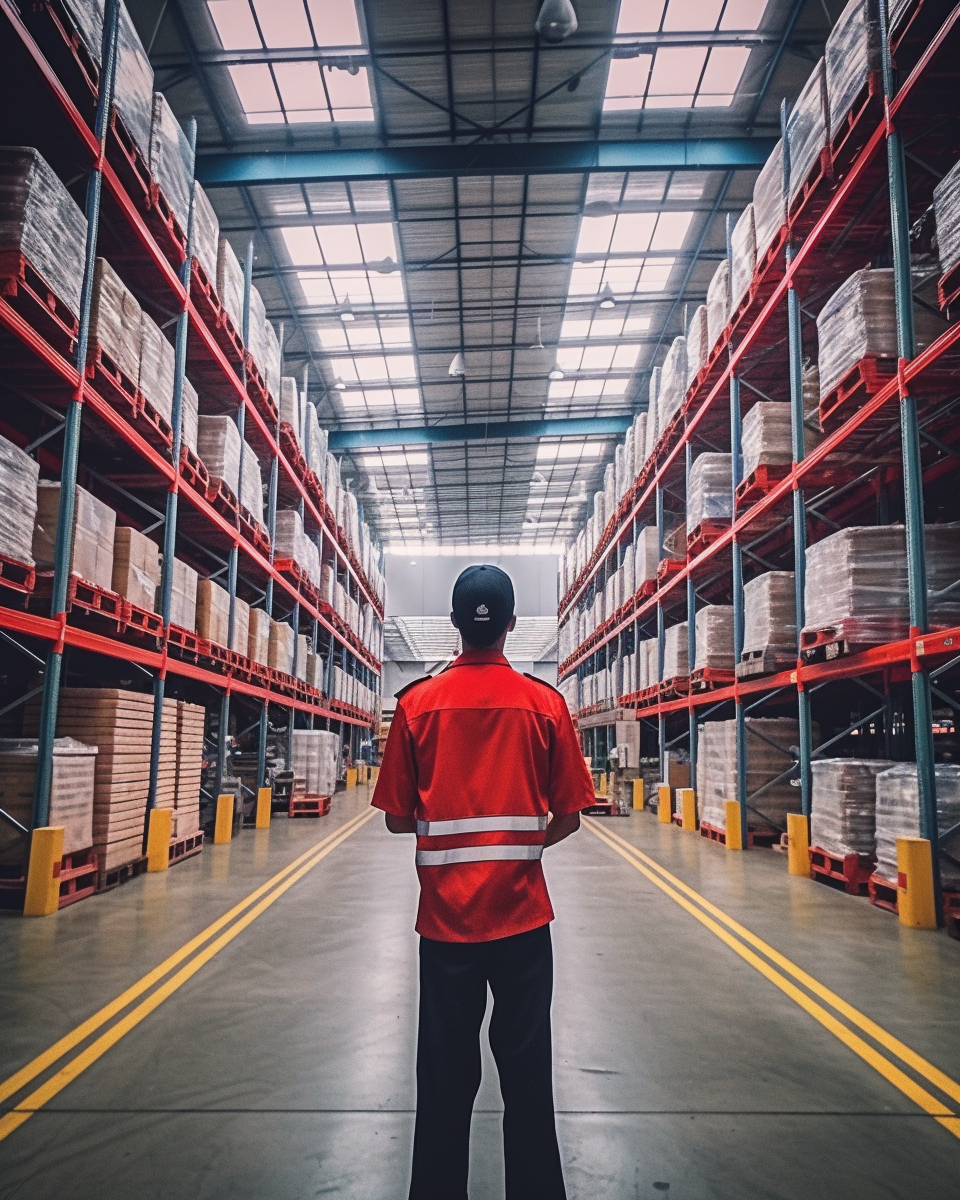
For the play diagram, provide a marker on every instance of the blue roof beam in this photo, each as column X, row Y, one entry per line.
column 427, row 435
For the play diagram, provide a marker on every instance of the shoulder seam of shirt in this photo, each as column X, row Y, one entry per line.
column 536, row 712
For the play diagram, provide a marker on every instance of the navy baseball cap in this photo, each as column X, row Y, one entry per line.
column 483, row 603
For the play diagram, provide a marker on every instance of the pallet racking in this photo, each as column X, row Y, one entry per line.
column 899, row 419
column 83, row 419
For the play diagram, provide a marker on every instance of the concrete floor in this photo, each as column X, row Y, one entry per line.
column 284, row 1068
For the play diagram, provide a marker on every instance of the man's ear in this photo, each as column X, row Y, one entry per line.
column 512, row 625
column 453, row 622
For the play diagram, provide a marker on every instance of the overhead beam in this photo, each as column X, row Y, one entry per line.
column 426, row 435
column 500, row 158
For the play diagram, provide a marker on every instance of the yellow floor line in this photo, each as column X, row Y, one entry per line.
column 69, row 1041
column 909, row 1087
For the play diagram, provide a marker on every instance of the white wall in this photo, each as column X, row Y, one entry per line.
column 422, row 587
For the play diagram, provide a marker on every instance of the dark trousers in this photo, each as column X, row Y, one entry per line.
column 453, row 999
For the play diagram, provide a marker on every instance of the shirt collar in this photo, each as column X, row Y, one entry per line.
column 471, row 657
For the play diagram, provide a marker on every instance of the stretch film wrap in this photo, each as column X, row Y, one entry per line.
column 714, row 629
column 647, row 555
column 769, row 754
column 271, row 359
column 88, row 18
column 40, row 220
column 19, row 474
column 769, row 201
column 219, row 447
column 171, row 159
column 766, row 437
column 93, row 531
column 718, row 303
column 230, row 283
column 251, row 484
column 116, row 320
column 698, row 346
column 190, row 406
column 898, row 815
column 946, row 204
column 676, row 661
column 673, row 382
column 769, row 612
column 710, row 497
column 844, row 803
column 157, row 367
column 807, row 129
column 206, row 234
column 289, row 405
column 743, row 244
column 852, row 52
column 133, row 84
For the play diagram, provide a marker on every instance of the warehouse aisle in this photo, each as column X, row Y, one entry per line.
column 282, row 1068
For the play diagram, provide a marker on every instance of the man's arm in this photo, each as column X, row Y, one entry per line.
column 396, row 790
column 560, row 827
column 401, row 824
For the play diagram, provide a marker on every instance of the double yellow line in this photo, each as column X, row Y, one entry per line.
column 782, row 973
column 194, row 954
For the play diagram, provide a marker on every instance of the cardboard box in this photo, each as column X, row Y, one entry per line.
column 136, row 567
column 241, row 626
column 183, row 599
column 258, row 638
column 71, row 793
column 213, row 612
column 93, row 536
column 281, row 647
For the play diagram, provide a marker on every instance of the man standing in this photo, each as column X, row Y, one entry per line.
column 484, row 765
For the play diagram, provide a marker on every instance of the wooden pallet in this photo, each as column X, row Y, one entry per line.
column 760, row 482
column 705, row 534
column 27, row 293
column 812, row 197
column 112, row 384
column 755, row 837
column 308, row 806
column 768, row 661
column 951, row 913
column 77, row 873
column 108, row 880
column 142, row 621
column 862, row 381
column 668, row 567
column 705, row 679
column 17, row 576
column 948, row 289
column 192, row 470
column 185, row 641
column 186, row 847
column 824, row 645
column 155, row 427
column 859, row 123
column 882, row 893
column 849, row 872
column 674, row 689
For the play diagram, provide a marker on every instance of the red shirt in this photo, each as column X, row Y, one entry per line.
column 479, row 756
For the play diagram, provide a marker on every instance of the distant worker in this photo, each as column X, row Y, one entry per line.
column 484, row 765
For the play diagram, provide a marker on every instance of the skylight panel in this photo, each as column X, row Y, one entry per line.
column 391, row 461
column 675, row 76
column 402, row 366
column 386, row 289
column 257, row 94
column 302, row 245
column 560, row 389
column 595, row 235
column 349, row 94
column 691, row 15
column 640, row 16
column 627, row 83
column 671, row 231
column 335, row 22
column 235, row 24
column 574, row 328
column 370, row 370
column 597, row 358
column 722, row 76
column 283, row 23
column 317, row 288
column 549, row 451
column 743, row 14
column 333, row 337
column 339, row 243
column 301, row 92
column 632, row 233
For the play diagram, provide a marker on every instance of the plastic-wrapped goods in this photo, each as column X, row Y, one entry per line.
column 653, row 425
column 157, row 366
column 71, row 792
column 898, row 10
column 315, row 447
column 710, row 496
column 766, row 437
column 673, row 382
column 860, row 321
column 171, row 159
column 241, row 626
column 133, row 84
column 258, row 636
column 18, row 502
column 271, row 359
column 136, row 567
column 851, row 53
column 302, row 649
column 315, row 760
column 183, row 596
column 743, row 244
column 844, row 804
column 599, row 515
column 94, row 526
column 281, row 647
column 651, row 649
column 769, row 742
column 676, row 661
column 619, row 471
column 189, row 407
column 769, row 202
column 206, row 234
column 258, row 338
column 714, row 629
column 769, row 612
column 213, row 612
column 230, row 283
column 328, row 579
column 698, row 345
column 88, row 18
column 807, row 129
column 946, row 206
column 639, row 443
column 898, row 815
column 289, row 405
column 718, row 303
column 41, row 220
column 116, row 320
column 647, row 555
column 251, row 483
column 628, row 575
column 629, row 459
column 219, row 447
column 856, row 581
column 674, row 536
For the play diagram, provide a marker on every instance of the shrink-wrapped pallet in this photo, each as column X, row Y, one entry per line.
column 769, row 201
column 676, row 660
column 675, row 536
column 315, row 758
column 40, row 220
column 860, row 321
column 251, row 483
column 271, row 359
column 315, row 449
column 171, row 159
column 653, row 426
column 743, row 244
column 769, row 613
column 281, row 647
column 289, row 405
column 807, row 128
column 71, row 794
column 673, row 382
column 213, row 612
column 710, row 495
column 301, row 650
column 856, row 582
column 183, row 596
column 258, row 636
column 714, row 630
column 852, row 52
column 629, row 454
column 219, row 447
column 946, row 205
column 639, row 443
column 328, row 580
column 116, row 320
column 290, row 539
column 206, row 234
column 844, row 804
column 766, row 438
column 157, row 366
column 698, row 346
column 647, row 555
column 619, row 471
column 93, row 530
column 718, row 303
column 230, row 283
column 190, row 722
column 18, row 502
column 241, row 626
column 190, row 415
column 769, row 754
column 628, row 575
column 88, row 18
column 257, row 343
column 133, row 84
column 136, row 567
column 898, row 815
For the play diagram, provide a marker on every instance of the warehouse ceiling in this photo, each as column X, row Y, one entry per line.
column 554, row 293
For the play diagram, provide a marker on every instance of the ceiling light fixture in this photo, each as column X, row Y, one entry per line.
column 607, row 299
column 556, row 21
column 339, row 385
column 386, row 266
column 556, row 373
column 538, row 344
column 346, row 310
column 457, row 366
column 538, row 477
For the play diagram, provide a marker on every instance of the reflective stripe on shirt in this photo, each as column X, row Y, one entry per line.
column 465, row 854
column 481, row 825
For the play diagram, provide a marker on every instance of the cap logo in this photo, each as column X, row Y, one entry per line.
column 482, row 610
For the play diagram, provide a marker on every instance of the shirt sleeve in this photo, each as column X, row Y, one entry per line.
column 571, row 784
column 396, row 791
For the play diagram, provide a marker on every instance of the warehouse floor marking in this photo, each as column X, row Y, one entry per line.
column 261, row 899
column 689, row 900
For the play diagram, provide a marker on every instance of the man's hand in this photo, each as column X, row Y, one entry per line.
column 401, row 824
column 561, row 827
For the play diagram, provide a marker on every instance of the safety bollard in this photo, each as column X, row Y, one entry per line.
column 687, row 806
column 351, row 777
column 664, row 804
column 916, row 906
column 798, row 845
column 638, row 794
column 223, row 825
column 159, row 832
column 734, row 835
column 43, row 872
column 264, row 799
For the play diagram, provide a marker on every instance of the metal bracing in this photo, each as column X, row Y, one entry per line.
column 419, row 435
